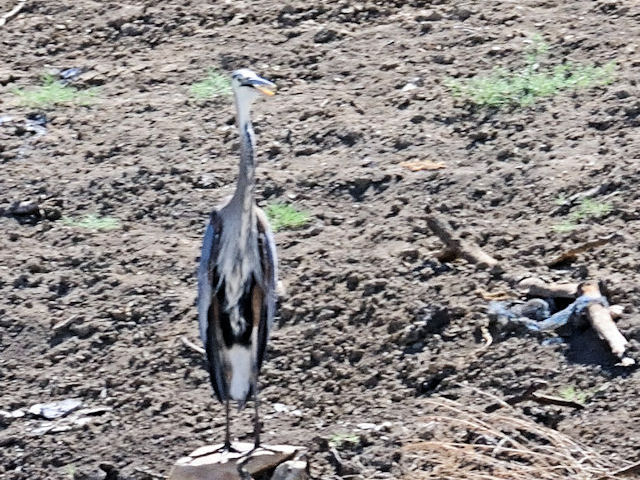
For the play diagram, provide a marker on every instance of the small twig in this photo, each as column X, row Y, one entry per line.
column 495, row 296
column 550, row 400
column 458, row 247
column 64, row 323
column 572, row 253
column 12, row 13
column 189, row 344
column 631, row 469
column 531, row 394
column 147, row 472
column 527, row 394
column 486, row 336
column 513, row 400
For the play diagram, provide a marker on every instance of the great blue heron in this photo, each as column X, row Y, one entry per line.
column 237, row 274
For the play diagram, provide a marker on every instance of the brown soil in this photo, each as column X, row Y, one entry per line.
column 372, row 325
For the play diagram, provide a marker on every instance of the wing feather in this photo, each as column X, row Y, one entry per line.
column 268, row 259
column 208, row 304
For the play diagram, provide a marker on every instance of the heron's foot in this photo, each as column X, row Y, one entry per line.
column 228, row 447
column 259, row 446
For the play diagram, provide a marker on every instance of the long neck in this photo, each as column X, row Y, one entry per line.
column 243, row 195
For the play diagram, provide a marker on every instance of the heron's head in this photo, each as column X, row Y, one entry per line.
column 248, row 86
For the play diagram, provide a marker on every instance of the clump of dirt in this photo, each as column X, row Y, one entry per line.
column 372, row 324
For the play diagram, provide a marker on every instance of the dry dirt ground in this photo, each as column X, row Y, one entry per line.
column 372, row 326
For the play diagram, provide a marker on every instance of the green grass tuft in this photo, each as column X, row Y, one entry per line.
column 340, row 440
column 587, row 209
column 53, row 92
column 523, row 87
column 572, row 394
column 92, row 222
column 286, row 217
column 215, row 85
column 590, row 208
column 565, row 226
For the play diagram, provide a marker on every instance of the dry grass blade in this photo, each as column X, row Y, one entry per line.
column 473, row 444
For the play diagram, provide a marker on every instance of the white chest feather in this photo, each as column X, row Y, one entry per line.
column 238, row 360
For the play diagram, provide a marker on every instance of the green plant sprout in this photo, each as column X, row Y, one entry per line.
column 214, row 85
column 340, row 440
column 53, row 92
column 588, row 208
column 92, row 222
column 523, row 87
column 286, row 217
column 572, row 394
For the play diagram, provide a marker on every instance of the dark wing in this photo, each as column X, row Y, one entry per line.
column 267, row 284
column 208, row 306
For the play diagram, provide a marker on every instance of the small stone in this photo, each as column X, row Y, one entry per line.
column 280, row 407
column 292, row 470
column 366, row 426
column 428, row 16
column 463, row 13
column 84, row 330
column 126, row 14
column 325, row 36
column 207, row 180
column 132, row 30
column 443, row 59
column 326, row 314
column 352, row 281
column 374, row 286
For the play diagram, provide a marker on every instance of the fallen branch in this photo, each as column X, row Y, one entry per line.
column 457, row 247
column 189, row 344
column 603, row 324
column 536, row 287
column 530, row 394
column 12, row 13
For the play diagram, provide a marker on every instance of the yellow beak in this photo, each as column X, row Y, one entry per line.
column 266, row 89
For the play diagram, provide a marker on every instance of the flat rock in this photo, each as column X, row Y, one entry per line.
column 291, row 470
column 212, row 463
column 53, row 410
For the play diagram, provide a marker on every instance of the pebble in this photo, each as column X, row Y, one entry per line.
column 132, row 30
column 428, row 16
column 325, row 36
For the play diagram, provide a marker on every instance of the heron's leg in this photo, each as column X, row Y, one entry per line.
column 227, row 435
column 256, row 432
column 256, row 419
